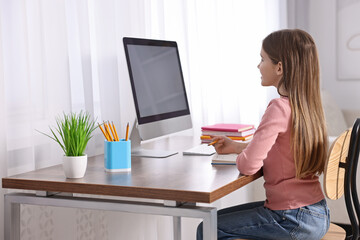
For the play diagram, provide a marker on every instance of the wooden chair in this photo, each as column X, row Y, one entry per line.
column 340, row 178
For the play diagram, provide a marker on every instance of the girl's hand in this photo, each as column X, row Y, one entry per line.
column 224, row 144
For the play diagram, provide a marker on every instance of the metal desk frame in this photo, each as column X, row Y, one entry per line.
column 169, row 208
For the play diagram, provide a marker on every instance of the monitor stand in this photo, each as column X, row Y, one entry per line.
column 138, row 151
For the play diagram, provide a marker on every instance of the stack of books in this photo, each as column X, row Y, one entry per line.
column 239, row 132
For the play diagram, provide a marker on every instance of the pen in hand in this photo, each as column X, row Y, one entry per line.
column 213, row 142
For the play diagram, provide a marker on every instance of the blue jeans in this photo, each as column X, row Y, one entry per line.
column 254, row 221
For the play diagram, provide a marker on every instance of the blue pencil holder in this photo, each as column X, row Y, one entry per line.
column 117, row 156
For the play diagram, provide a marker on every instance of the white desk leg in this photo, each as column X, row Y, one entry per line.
column 12, row 220
column 210, row 226
column 177, row 228
column 176, row 219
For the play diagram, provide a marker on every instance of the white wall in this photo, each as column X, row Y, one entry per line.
column 323, row 27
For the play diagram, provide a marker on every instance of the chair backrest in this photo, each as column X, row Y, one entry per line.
column 340, row 173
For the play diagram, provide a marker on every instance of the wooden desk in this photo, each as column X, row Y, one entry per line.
column 176, row 179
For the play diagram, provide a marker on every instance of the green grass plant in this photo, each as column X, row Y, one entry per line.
column 75, row 131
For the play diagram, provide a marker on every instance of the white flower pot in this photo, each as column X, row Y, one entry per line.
column 75, row 167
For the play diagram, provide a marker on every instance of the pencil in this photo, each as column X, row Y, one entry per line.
column 112, row 131
column 103, row 132
column 117, row 136
column 213, row 142
column 127, row 132
column 107, row 131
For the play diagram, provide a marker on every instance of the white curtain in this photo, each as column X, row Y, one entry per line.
column 67, row 55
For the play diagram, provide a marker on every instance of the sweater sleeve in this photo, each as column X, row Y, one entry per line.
column 274, row 122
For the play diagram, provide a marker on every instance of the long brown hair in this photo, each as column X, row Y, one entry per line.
column 297, row 52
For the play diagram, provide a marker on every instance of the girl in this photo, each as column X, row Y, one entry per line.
column 290, row 145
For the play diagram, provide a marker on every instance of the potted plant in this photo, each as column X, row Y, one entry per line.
column 75, row 131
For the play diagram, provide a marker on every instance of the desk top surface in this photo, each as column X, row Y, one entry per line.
column 177, row 178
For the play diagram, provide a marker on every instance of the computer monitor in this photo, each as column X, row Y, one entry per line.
column 158, row 89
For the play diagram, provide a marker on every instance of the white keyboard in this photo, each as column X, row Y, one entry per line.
column 202, row 150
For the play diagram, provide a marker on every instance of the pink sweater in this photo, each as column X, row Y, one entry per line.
column 270, row 149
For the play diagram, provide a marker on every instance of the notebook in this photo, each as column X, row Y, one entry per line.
column 224, row 159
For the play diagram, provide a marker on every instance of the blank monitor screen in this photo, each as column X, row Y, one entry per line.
column 157, row 85
column 156, row 79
